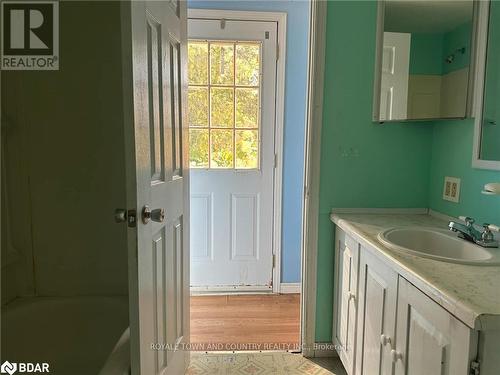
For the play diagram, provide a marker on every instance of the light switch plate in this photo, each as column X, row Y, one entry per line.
column 451, row 189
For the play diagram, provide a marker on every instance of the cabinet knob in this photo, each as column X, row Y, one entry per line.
column 396, row 356
column 385, row 339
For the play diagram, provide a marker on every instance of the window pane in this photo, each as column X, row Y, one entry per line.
column 247, row 149
column 198, row 63
column 198, row 148
column 221, row 151
column 247, row 64
column 247, row 108
column 222, row 107
column 198, row 106
column 221, row 64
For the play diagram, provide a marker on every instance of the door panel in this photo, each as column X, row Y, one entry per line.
column 429, row 340
column 395, row 75
column 348, row 260
column 377, row 315
column 233, row 113
column 157, row 178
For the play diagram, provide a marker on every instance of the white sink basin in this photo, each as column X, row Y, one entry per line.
column 438, row 244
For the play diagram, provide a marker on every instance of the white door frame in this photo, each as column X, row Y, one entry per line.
column 312, row 158
column 280, row 18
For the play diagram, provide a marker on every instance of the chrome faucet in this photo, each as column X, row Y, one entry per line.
column 468, row 232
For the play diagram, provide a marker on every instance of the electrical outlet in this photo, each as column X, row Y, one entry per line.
column 451, row 189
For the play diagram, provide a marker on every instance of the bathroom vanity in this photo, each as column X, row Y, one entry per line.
column 400, row 313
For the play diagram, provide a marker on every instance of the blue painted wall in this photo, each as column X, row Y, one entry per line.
column 296, row 88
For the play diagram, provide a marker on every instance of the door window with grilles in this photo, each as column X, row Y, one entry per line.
column 224, row 104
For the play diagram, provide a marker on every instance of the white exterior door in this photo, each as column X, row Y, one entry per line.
column 155, row 66
column 232, row 79
column 395, row 76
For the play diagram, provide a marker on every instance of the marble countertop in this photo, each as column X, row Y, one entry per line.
column 471, row 293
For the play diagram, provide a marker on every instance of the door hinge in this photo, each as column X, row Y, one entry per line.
column 474, row 368
column 274, row 261
column 275, row 161
column 277, row 51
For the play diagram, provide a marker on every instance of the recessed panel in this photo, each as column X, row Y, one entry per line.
column 426, row 344
column 159, row 296
column 155, row 99
column 386, row 100
column 201, row 227
column 375, row 296
column 388, row 60
column 179, row 271
column 175, row 107
column 244, row 226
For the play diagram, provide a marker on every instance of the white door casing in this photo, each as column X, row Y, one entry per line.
column 232, row 221
column 395, row 76
column 155, row 74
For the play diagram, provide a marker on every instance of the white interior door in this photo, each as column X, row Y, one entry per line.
column 395, row 76
column 157, row 177
column 232, row 78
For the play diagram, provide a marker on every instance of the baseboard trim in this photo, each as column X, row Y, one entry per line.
column 290, row 288
column 237, row 289
column 324, row 349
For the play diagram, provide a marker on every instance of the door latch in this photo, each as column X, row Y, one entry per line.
column 130, row 216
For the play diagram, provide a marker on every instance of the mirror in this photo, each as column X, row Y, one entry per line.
column 423, row 59
column 487, row 116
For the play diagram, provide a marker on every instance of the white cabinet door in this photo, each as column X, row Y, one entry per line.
column 429, row 340
column 347, row 260
column 377, row 295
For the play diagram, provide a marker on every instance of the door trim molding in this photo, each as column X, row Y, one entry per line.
column 312, row 159
column 281, row 19
column 290, row 288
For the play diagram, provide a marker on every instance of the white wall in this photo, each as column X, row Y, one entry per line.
column 64, row 163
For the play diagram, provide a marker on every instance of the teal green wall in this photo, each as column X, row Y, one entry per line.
column 452, row 156
column 362, row 164
column 370, row 165
column 426, row 54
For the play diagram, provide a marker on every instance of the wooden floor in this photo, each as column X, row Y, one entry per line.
column 245, row 322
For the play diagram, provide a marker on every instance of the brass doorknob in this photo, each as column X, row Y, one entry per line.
column 158, row 215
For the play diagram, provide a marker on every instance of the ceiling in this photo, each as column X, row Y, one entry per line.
column 426, row 16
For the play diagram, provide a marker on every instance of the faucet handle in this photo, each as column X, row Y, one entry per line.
column 468, row 220
column 491, row 227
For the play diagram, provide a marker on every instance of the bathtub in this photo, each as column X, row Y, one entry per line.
column 74, row 335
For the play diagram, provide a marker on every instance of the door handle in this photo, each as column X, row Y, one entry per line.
column 158, row 215
column 123, row 215
column 120, row 215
